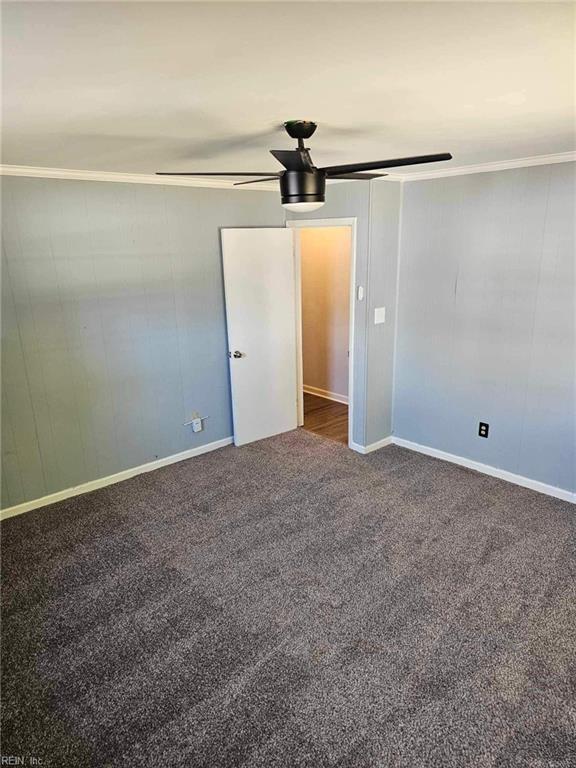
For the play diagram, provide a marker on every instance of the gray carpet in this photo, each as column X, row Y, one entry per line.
column 291, row 603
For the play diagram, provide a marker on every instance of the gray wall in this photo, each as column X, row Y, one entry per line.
column 486, row 319
column 376, row 207
column 114, row 330
column 385, row 201
column 113, row 325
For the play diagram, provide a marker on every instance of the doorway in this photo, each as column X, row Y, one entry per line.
column 325, row 293
column 263, row 300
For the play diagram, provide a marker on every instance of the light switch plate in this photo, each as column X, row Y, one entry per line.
column 379, row 315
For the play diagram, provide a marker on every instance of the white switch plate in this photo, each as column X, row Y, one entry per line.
column 360, row 293
column 379, row 315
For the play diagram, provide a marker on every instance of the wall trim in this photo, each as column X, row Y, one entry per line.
column 102, row 482
column 500, row 165
column 326, row 394
column 132, row 178
column 486, row 469
column 118, row 477
column 216, row 183
column 372, row 446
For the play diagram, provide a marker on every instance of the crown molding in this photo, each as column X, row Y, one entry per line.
column 131, row 178
column 500, row 165
column 202, row 181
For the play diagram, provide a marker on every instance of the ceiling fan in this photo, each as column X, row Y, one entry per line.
column 302, row 185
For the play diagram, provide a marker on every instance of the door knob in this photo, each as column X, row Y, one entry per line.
column 235, row 354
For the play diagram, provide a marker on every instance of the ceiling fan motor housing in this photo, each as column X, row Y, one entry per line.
column 303, row 186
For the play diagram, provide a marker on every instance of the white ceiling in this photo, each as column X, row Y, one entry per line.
column 139, row 87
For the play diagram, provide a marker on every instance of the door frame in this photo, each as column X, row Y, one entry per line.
column 297, row 224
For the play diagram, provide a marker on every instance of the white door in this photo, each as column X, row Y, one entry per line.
column 259, row 282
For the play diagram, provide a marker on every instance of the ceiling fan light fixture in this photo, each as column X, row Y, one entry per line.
column 303, row 207
column 303, row 191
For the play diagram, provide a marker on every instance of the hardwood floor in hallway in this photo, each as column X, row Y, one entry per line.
column 326, row 418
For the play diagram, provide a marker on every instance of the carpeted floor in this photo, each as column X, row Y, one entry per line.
column 291, row 603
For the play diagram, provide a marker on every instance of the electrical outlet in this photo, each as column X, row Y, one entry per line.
column 196, row 422
column 483, row 429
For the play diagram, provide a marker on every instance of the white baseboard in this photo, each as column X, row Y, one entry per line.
column 93, row 485
column 486, row 469
column 373, row 446
column 326, row 394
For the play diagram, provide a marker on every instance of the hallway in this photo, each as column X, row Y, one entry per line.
column 326, row 418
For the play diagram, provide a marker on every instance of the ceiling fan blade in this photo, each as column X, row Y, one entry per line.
column 218, row 173
column 366, row 176
column 337, row 170
column 293, row 159
column 256, row 181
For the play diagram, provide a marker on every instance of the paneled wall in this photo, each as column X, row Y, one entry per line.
column 114, row 328
column 113, row 325
column 385, row 200
column 487, row 318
